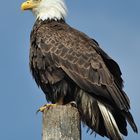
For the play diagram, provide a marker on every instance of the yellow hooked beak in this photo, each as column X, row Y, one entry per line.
column 28, row 5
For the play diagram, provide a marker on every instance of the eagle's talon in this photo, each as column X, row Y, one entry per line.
column 46, row 106
column 37, row 111
column 73, row 104
column 41, row 109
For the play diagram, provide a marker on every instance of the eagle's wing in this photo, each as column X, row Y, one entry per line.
column 86, row 64
column 111, row 64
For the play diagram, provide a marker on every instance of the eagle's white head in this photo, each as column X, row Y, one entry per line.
column 46, row 9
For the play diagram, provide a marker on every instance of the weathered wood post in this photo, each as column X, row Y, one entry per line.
column 61, row 123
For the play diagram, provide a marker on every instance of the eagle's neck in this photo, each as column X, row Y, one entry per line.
column 50, row 23
column 51, row 9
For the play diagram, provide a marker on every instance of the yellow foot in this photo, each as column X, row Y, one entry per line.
column 46, row 106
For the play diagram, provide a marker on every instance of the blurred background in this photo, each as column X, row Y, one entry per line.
column 114, row 24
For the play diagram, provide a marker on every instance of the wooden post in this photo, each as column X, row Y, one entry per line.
column 61, row 123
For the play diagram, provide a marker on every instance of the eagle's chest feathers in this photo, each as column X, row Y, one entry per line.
column 43, row 44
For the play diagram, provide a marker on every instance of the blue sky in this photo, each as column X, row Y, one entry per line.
column 114, row 24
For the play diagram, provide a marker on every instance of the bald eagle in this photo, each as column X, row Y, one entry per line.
column 70, row 66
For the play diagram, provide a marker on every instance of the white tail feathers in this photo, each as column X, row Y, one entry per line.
column 112, row 129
